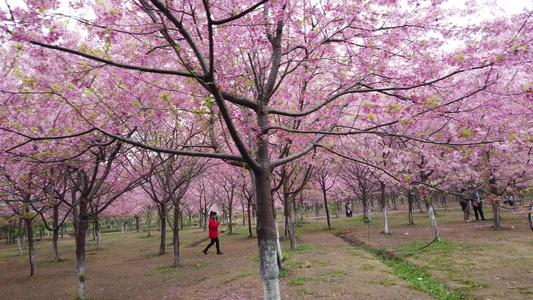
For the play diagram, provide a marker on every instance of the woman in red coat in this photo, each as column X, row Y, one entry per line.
column 213, row 232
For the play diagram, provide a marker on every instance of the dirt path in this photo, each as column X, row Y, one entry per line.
column 129, row 268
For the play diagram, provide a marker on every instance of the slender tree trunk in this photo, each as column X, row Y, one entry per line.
column 288, row 221
column 176, row 237
column 295, row 213
column 249, row 219
column 19, row 238
column 137, row 225
column 55, row 232
column 367, row 213
column 230, row 223
column 326, row 206
column 163, row 228
column 410, row 202
column 148, row 221
column 384, row 209
column 419, row 204
column 433, row 220
column 495, row 203
column 97, row 232
column 31, row 249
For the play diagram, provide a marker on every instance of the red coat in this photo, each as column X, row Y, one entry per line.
column 213, row 228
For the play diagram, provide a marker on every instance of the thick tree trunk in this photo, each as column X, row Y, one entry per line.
column 31, row 249
column 267, row 236
column 176, row 237
column 137, row 225
column 81, row 223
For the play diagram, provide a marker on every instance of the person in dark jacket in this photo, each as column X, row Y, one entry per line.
column 465, row 205
column 477, row 205
column 213, row 233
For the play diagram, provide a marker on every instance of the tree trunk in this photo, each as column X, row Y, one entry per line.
column 326, row 206
column 137, row 225
column 267, row 236
column 148, row 221
column 19, row 238
column 410, row 204
column 176, row 238
column 288, row 222
column 433, row 220
column 230, row 222
column 31, row 249
column 495, row 203
column 163, row 220
column 81, row 223
column 249, row 220
column 384, row 209
column 55, row 232
column 419, row 204
column 97, row 232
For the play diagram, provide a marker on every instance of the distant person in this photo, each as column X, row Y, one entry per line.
column 465, row 205
column 349, row 211
column 213, row 232
column 477, row 205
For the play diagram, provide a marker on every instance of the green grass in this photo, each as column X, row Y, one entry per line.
column 235, row 278
column 421, row 280
column 470, row 285
column 305, row 292
column 161, row 269
column 305, row 248
column 300, row 280
column 201, row 266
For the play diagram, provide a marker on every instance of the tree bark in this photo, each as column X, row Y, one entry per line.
column 55, row 233
column 495, row 203
column 326, row 206
column 97, row 232
column 384, row 209
column 19, row 238
column 163, row 217
column 31, row 249
column 176, row 238
column 433, row 220
column 410, row 204
column 267, row 236
column 81, row 224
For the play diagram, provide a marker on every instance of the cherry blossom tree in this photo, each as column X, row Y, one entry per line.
column 340, row 67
